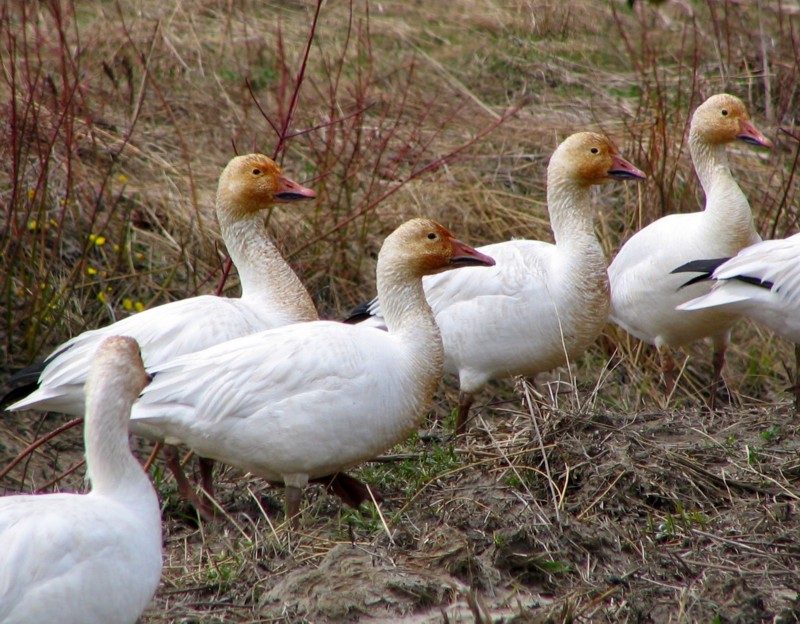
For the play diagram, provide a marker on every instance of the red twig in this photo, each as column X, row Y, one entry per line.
column 791, row 134
column 64, row 474
column 36, row 444
column 299, row 81
column 153, row 455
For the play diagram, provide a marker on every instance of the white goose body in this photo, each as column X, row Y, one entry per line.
column 538, row 308
column 93, row 558
column 542, row 304
column 775, row 301
column 644, row 293
column 294, row 403
column 312, row 399
column 272, row 295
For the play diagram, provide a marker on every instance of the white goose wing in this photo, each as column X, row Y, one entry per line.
column 640, row 272
column 308, row 398
column 519, row 267
column 774, row 261
column 163, row 332
column 762, row 282
column 530, row 316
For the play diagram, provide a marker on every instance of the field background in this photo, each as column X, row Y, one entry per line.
column 584, row 498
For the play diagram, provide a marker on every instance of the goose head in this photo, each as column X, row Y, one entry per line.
column 588, row 158
column 254, row 182
column 723, row 118
column 119, row 358
column 423, row 247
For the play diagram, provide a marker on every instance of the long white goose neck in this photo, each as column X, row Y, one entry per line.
column 571, row 215
column 410, row 319
column 581, row 292
column 112, row 468
column 726, row 205
column 264, row 273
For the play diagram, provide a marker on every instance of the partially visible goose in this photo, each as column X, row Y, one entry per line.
column 93, row 558
column 313, row 399
column 644, row 293
column 272, row 296
column 761, row 282
column 541, row 305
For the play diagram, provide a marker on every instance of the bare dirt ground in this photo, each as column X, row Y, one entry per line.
column 586, row 516
column 582, row 514
column 590, row 500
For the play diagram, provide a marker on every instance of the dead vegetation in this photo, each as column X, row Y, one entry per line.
column 586, row 498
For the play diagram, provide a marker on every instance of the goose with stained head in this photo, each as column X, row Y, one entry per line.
column 312, row 399
column 644, row 293
column 542, row 304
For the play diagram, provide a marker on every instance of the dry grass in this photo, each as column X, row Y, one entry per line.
column 599, row 503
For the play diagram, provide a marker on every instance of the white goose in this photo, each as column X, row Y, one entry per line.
column 541, row 305
column 272, row 296
column 312, row 399
column 761, row 282
column 93, row 558
column 644, row 294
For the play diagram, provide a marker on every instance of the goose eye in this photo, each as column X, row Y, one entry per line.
column 594, row 150
column 256, row 171
column 432, row 236
column 724, row 112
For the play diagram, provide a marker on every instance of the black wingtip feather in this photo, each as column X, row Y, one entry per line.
column 25, row 381
column 696, row 280
column 704, row 267
column 754, row 281
column 359, row 314
column 22, row 383
column 707, row 266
